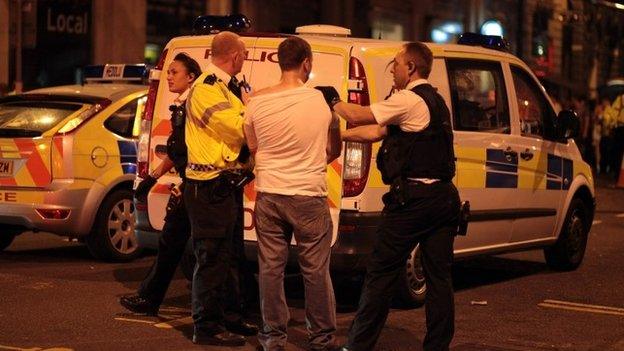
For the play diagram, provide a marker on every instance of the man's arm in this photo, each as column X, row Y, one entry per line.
column 363, row 134
column 213, row 109
column 355, row 114
column 334, row 144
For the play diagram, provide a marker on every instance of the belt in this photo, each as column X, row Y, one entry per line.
column 425, row 181
column 200, row 167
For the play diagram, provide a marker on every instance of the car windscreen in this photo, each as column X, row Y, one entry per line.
column 33, row 118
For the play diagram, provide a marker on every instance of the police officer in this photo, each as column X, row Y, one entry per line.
column 422, row 207
column 214, row 137
column 181, row 73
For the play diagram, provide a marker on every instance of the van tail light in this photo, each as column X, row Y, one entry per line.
column 357, row 155
column 148, row 116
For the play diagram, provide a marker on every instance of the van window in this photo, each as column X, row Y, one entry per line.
column 126, row 121
column 535, row 113
column 478, row 96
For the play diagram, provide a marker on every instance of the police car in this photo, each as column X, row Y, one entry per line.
column 68, row 160
column 517, row 164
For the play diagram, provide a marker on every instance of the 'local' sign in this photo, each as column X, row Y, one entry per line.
column 67, row 22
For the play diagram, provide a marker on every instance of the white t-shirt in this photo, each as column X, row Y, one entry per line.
column 288, row 130
column 403, row 108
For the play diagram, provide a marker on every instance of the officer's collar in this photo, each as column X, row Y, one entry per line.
column 415, row 83
column 181, row 98
column 219, row 73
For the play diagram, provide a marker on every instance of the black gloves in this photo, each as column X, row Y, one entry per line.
column 141, row 191
column 330, row 94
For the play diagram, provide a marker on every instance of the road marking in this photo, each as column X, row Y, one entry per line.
column 581, row 307
column 4, row 347
column 134, row 320
column 175, row 323
column 620, row 215
column 596, row 222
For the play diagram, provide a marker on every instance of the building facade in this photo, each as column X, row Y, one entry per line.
column 572, row 45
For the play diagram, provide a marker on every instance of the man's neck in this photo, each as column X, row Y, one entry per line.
column 290, row 79
column 224, row 67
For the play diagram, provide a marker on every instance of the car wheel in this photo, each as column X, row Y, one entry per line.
column 8, row 234
column 567, row 253
column 412, row 287
column 187, row 263
column 113, row 237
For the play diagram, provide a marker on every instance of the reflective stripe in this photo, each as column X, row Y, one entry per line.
column 214, row 109
column 200, row 167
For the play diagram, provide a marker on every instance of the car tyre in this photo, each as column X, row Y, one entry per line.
column 567, row 253
column 412, row 287
column 113, row 237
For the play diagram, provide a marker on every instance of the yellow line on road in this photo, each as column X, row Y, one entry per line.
column 620, row 215
column 4, row 347
column 576, row 304
column 175, row 323
column 596, row 222
column 580, row 309
column 134, row 320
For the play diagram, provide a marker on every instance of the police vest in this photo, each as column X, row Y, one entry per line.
column 424, row 154
column 176, row 145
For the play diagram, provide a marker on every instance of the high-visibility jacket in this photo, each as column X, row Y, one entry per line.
column 614, row 115
column 214, row 128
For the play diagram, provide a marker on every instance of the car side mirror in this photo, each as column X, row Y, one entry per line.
column 568, row 125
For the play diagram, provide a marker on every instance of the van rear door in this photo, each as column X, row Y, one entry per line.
column 329, row 68
column 198, row 48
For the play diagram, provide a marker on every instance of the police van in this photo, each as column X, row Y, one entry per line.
column 68, row 160
column 517, row 164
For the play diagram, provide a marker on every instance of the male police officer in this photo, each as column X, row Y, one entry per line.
column 422, row 206
column 214, row 137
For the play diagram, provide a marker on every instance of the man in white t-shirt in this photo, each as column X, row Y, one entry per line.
column 293, row 135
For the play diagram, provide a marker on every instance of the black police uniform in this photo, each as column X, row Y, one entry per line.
column 177, row 228
column 414, row 213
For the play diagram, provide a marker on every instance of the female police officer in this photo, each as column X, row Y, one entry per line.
column 181, row 74
column 422, row 206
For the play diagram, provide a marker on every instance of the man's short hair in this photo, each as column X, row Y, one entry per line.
column 224, row 44
column 291, row 53
column 422, row 57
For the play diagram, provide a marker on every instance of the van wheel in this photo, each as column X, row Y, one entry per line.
column 567, row 253
column 412, row 287
column 187, row 263
column 112, row 237
column 8, row 234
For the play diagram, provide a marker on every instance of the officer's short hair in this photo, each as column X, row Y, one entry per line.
column 291, row 53
column 422, row 57
column 192, row 67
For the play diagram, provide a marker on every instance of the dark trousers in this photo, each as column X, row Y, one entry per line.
column 606, row 154
column 171, row 246
column 215, row 215
column 429, row 220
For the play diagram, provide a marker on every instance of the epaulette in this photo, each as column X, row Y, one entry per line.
column 211, row 79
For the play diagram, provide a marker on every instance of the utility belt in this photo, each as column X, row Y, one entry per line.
column 226, row 182
column 403, row 190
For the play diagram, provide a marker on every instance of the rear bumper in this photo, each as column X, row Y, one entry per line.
column 22, row 210
column 350, row 253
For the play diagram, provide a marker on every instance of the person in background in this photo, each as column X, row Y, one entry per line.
column 181, row 74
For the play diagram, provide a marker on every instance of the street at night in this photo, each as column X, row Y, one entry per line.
column 56, row 297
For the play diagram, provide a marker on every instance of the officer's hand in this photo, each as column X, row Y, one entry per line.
column 140, row 193
column 330, row 94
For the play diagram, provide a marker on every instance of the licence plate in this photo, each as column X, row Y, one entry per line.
column 6, row 168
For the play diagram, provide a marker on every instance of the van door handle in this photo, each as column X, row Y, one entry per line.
column 510, row 154
column 527, row 155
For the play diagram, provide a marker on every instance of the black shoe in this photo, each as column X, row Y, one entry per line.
column 224, row 338
column 242, row 328
column 138, row 304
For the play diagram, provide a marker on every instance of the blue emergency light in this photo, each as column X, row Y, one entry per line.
column 487, row 41
column 115, row 72
column 214, row 24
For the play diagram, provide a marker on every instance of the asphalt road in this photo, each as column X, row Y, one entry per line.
column 53, row 296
